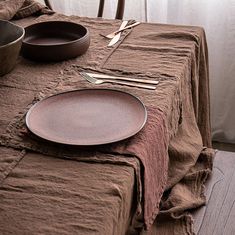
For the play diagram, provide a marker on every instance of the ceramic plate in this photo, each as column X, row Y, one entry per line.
column 87, row 117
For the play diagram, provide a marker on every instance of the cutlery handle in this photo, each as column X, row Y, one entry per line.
column 111, row 35
column 127, row 27
column 123, row 24
column 131, row 84
column 104, row 76
column 137, row 80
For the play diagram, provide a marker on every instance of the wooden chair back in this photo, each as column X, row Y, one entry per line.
column 119, row 11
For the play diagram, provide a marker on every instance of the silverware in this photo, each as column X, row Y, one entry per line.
column 115, row 39
column 100, row 81
column 111, row 35
column 105, row 76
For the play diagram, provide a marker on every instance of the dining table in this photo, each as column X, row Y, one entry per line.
column 144, row 184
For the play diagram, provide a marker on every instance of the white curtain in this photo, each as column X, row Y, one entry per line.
column 217, row 17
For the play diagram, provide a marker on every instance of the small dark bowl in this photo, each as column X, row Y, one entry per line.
column 55, row 41
column 11, row 36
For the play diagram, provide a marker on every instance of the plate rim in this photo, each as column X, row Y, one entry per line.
column 27, row 116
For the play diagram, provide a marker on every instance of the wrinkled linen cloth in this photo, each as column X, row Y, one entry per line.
column 21, row 8
column 149, row 146
column 174, row 55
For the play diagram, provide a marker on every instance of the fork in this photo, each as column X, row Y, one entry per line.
column 100, row 81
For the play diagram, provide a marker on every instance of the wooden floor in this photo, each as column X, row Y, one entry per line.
column 218, row 216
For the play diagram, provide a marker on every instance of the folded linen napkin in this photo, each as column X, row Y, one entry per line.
column 21, row 8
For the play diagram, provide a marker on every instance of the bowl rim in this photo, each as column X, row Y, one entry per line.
column 18, row 39
column 57, row 44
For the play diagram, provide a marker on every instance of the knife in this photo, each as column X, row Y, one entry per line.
column 118, row 35
column 105, row 76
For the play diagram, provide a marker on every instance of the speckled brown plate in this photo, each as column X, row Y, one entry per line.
column 87, row 117
column 55, row 41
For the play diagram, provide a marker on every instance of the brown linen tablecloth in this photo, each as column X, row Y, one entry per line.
column 175, row 55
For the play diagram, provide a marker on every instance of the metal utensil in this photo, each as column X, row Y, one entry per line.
column 115, row 39
column 111, row 35
column 105, row 76
column 100, row 81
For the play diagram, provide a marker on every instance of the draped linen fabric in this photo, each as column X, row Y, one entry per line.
column 218, row 19
column 215, row 16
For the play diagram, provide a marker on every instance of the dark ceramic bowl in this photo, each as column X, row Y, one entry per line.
column 55, row 41
column 11, row 36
